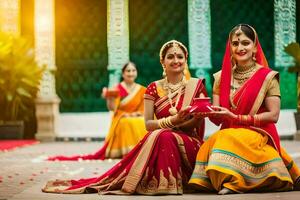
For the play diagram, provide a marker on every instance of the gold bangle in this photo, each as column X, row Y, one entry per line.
column 160, row 123
column 169, row 123
column 164, row 123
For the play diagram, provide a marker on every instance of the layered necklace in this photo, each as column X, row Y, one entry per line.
column 175, row 89
column 243, row 73
column 240, row 74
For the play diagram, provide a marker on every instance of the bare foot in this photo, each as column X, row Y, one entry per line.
column 226, row 191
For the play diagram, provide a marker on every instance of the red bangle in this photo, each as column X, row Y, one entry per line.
column 256, row 121
column 247, row 120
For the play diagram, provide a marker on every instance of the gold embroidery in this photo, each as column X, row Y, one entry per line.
column 171, row 185
column 253, row 173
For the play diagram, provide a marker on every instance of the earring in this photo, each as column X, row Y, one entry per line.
column 164, row 72
column 254, row 56
column 233, row 62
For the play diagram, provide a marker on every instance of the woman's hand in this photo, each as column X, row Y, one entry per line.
column 104, row 92
column 136, row 114
column 198, row 115
column 181, row 116
column 221, row 112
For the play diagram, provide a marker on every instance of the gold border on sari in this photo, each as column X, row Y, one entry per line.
column 138, row 167
column 131, row 95
column 262, row 93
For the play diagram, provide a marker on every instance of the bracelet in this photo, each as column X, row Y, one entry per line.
column 256, row 121
column 247, row 120
column 165, row 123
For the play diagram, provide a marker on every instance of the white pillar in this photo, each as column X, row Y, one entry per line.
column 285, row 30
column 117, row 38
column 199, row 28
column 285, row 33
column 10, row 16
column 47, row 103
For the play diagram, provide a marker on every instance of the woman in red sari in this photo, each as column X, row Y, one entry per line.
column 163, row 161
column 127, row 127
column 245, row 155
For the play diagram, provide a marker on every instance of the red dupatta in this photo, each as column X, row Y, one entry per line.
column 227, row 72
column 247, row 97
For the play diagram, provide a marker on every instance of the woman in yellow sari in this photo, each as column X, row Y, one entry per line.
column 245, row 155
column 126, row 101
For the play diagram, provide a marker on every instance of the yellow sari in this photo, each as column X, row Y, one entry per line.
column 239, row 157
column 125, row 132
column 241, row 160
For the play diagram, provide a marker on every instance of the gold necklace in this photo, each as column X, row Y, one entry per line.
column 173, row 110
column 242, row 75
column 171, row 89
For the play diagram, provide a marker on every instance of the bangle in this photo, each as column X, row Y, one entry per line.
column 169, row 123
column 247, row 120
column 160, row 123
column 256, row 121
column 165, row 123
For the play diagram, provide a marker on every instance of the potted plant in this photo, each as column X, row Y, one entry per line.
column 293, row 49
column 20, row 78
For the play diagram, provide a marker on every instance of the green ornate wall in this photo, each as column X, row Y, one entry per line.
column 298, row 19
column 81, row 43
column 225, row 15
column 81, row 54
column 151, row 24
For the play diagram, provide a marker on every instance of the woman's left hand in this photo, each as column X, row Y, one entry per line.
column 136, row 114
column 222, row 112
column 182, row 116
column 198, row 115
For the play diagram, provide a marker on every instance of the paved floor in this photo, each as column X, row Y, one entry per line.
column 23, row 172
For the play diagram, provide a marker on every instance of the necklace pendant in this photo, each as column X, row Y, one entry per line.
column 173, row 111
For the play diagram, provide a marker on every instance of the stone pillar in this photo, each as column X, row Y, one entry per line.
column 47, row 103
column 10, row 17
column 200, row 38
column 285, row 33
column 117, row 38
column 285, row 30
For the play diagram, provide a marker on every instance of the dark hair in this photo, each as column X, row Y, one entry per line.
column 246, row 29
column 169, row 45
column 125, row 66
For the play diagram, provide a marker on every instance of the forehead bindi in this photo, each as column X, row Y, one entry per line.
column 175, row 51
column 240, row 37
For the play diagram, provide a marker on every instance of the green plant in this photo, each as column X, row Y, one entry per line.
column 293, row 49
column 20, row 77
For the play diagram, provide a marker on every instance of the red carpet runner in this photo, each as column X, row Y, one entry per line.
column 11, row 144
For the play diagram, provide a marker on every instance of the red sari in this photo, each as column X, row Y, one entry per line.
column 161, row 163
column 124, row 132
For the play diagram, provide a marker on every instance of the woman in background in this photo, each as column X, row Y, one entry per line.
column 126, row 101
